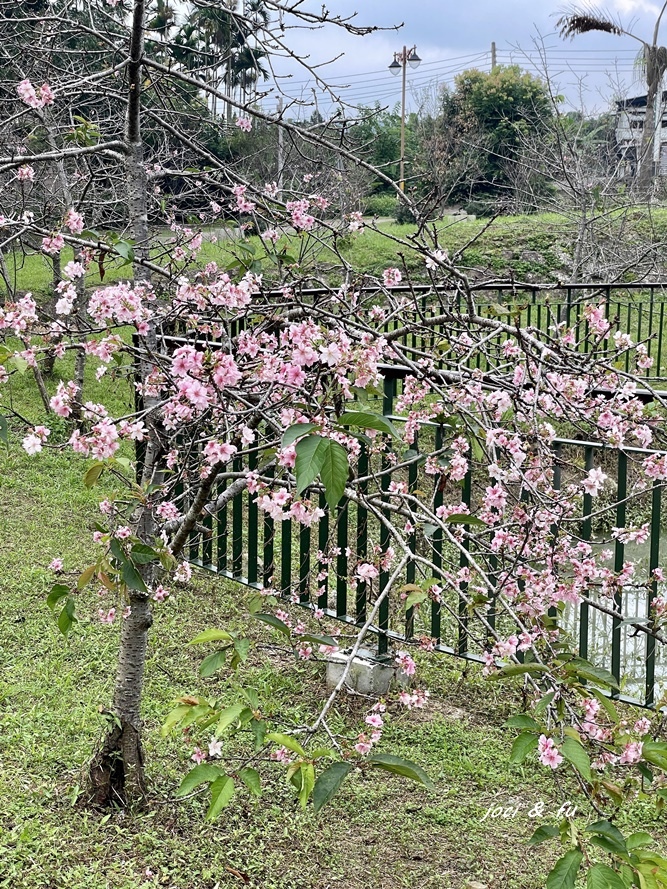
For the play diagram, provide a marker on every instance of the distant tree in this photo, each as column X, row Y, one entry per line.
column 482, row 126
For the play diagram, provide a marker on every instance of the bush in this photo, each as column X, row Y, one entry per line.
column 380, row 205
column 403, row 214
column 480, row 209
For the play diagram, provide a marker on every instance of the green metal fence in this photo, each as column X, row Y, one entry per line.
column 316, row 566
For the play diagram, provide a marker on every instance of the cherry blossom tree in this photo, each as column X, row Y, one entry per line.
column 249, row 379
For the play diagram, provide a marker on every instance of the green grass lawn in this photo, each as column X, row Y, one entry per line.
column 380, row 832
column 534, row 248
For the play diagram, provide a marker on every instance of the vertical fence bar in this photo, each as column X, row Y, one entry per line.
column 221, row 528
column 619, row 556
column 650, row 330
column 207, row 540
column 654, row 559
column 411, row 570
column 286, row 557
column 436, row 542
column 268, row 554
column 304, row 564
column 253, row 528
column 323, row 564
column 586, row 528
column 362, row 536
column 341, row 558
column 237, row 526
column 385, row 539
column 462, row 642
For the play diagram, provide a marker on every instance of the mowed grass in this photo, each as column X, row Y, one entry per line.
column 380, row 831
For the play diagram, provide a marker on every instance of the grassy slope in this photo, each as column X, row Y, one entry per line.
column 521, row 246
column 380, row 832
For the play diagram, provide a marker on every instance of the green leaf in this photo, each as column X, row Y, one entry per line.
column 641, row 838
column 290, row 435
column 174, row 717
column 655, row 752
column 242, row 647
column 286, row 741
column 258, row 729
column 565, row 871
column 522, row 746
column 142, row 554
column 461, row 518
column 574, row 752
column 307, row 773
column 609, row 832
column 204, row 773
column 222, row 790
column 275, row 622
column 86, row 576
column 334, row 473
column 544, row 702
column 19, row 363
column 415, row 598
column 545, row 832
column 368, row 420
column 227, row 717
column 328, row 783
column 117, row 550
column 58, row 591
column 315, row 456
column 251, row 696
column 400, row 766
column 93, row 474
column 124, row 248
column 310, row 456
column 523, row 720
column 211, row 635
column 584, row 670
column 67, row 618
column 251, row 779
column 4, row 429
column 601, row 876
column 131, row 578
column 212, row 663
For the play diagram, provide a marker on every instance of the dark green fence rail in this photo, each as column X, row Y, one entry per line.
column 315, row 566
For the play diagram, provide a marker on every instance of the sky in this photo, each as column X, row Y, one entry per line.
column 452, row 35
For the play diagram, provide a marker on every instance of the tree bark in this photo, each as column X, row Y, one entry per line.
column 116, row 775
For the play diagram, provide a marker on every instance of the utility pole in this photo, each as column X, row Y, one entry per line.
column 494, row 61
column 401, row 61
column 280, row 148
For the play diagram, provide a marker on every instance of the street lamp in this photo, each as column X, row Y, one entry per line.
column 401, row 61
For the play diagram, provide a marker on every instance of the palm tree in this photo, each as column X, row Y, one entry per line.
column 245, row 69
column 653, row 59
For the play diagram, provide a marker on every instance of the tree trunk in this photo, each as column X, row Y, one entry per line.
column 116, row 773
column 645, row 160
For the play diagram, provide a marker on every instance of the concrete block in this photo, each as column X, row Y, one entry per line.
column 367, row 675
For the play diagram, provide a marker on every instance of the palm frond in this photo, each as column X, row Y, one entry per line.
column 580, row 21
